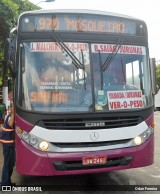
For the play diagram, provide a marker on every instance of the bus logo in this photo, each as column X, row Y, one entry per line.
column 97, row 124
column 94, row 136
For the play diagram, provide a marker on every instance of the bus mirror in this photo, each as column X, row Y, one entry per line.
column 7, row 49
column 9, row 53
column 153, row 75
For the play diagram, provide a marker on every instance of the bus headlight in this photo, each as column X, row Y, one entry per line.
column 43, row 145
column 138, row 140
column 33, row 141
column 25, row 136
column 142, row 137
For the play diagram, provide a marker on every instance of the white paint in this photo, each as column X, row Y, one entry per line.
column 155, row 176
column 85, row 135
column 5, row 95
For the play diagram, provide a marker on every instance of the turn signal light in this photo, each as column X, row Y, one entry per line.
column 19, row 131
column 152, row 125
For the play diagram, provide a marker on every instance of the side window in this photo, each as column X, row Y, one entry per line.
column 134, row 74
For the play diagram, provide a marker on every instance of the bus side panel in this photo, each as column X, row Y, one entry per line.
column 31, row 162
column 144, row 155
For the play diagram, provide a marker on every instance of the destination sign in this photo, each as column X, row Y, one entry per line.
column 125, row 99
column 77, row 23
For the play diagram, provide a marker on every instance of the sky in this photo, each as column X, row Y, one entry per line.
column 147, row 10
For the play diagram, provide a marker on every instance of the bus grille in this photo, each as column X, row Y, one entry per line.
column 80, row 123
column 90, row 144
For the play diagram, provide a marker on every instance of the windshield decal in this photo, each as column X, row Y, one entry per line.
column 125, row 99
column 124, row 49
column 97, row 107
column 55, row 85
column 54, row 47
column 47, row 97
column 102, row 100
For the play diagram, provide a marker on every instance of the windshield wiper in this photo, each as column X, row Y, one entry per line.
column 101, row 69
column 75, row 60
column 108, row 60
column 111, row 56
column 83, row 69
column 77, row 63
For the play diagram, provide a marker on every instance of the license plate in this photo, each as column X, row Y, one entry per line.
column 95, row 160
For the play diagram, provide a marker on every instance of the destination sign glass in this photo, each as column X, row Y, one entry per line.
column 77, row 23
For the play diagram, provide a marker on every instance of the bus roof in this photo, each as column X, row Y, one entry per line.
column 83, row 11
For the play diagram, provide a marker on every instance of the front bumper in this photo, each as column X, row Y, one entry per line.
column 30, row 161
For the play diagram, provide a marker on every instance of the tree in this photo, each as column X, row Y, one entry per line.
column 9, row 11
column 7, row 15
column 158, row 75
column 24, row 5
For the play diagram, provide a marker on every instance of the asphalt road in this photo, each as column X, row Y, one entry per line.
column 139, row 178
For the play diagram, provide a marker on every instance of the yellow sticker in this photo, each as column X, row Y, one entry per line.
column 97, row 107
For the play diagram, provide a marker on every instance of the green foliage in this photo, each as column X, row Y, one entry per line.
column 158, row 75
column 9, row 12
column 24, row 5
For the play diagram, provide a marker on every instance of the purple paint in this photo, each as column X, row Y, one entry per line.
column 30, row 161
column 23, row 124
column 33, row 162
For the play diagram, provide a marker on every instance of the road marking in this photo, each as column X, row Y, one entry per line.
column 155, row 176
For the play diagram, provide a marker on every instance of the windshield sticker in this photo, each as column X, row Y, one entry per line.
column 55, row 85
column 46, row 97
column 124, row 49
column 100, row 92
column 97, row 107
column 102, row 100
column 54, row 47
column 125, row 99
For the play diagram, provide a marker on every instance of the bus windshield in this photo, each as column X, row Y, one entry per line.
column 121, row 77
column 51, row 80
column 110, row 80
